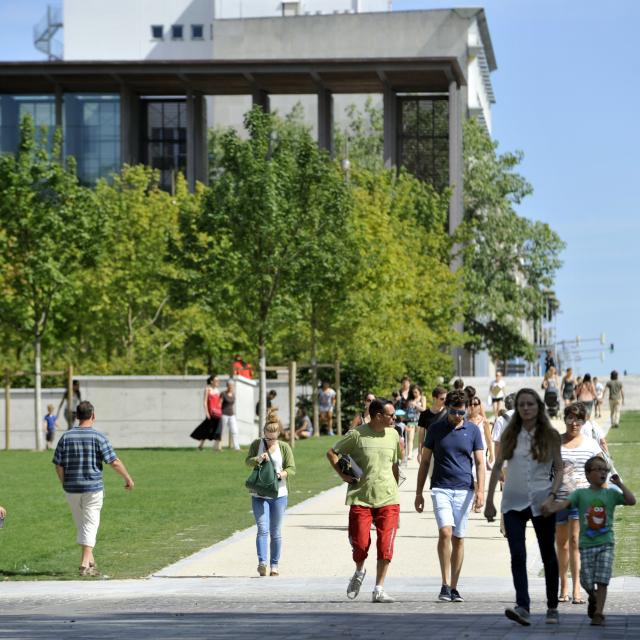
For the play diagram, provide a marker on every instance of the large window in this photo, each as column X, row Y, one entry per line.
column 165, row 139
column 424, row 138
column 92, row 134
column 13, row 109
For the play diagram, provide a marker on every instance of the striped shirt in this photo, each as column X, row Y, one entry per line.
column 81, row 452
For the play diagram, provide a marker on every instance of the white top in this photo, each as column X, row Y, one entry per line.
column 599, row 390
column 528, row 482
column 499, row 391
column 590, row 429
column 573, row 461
column 276, row 456
column 500, row 425
column 325, row 399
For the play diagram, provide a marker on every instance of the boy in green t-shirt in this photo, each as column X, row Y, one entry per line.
column 596, row 506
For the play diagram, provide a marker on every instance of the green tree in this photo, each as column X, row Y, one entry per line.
column 47, row 228
column 509, row 261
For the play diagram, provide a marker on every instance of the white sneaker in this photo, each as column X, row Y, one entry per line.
column 381, row 596
column 354, row 585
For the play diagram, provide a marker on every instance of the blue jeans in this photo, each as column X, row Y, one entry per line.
column 515, row 523
column 268, row 515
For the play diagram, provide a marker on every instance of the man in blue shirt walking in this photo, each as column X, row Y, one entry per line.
column 455, row 445
column 78, row 459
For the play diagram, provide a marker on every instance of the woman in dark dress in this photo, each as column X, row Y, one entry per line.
column 210, row 427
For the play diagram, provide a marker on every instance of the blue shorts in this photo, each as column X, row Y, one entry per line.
column 562, row 517
column 451, row 508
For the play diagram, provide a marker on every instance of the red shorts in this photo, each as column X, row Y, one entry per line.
column 386, row 521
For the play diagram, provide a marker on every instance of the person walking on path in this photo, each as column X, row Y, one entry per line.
column 78, row 457
column 576, row 449
column 269, row 512
column 475, row 414
column 432, row 414
column 568, row 387
column 228, row 419
column 586, row 392
column 72, row 407
column 326, row 406
column 531, row 446
column 599, row 397
column 596, row 505
column 375, row 448
column 363, row 418
column 456, row 446
column 497, row 391
column 210, row 427
column 413, row 408
column 50, row 424
column 616, row 398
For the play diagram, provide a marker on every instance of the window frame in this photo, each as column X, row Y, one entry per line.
column 193, row 35
column 174, row 27
column 157, row 26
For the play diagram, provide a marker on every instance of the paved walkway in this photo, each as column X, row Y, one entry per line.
column 216, row 593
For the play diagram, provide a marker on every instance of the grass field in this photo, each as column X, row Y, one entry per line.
column 624, row 446
column 183, row 500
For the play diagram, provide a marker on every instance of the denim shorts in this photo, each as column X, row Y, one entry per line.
column 451, row 508
column 562, row 517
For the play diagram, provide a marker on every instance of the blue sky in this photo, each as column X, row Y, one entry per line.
column 567, row 89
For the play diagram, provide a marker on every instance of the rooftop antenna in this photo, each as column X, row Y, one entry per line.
column 44, row 32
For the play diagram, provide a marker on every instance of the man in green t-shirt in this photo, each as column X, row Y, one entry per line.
column 616, row 398
column 596, row 506
column 374, row 497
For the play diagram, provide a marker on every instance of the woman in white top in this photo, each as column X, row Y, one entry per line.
column 532, row 447
column 576, row 450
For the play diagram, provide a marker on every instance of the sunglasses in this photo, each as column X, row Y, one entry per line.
column 457, row 412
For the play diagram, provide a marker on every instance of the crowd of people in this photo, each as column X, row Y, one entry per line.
column 565, row 484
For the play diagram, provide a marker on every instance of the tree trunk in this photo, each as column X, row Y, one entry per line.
column 314, row 372
column 262, row 390
column 37, row 389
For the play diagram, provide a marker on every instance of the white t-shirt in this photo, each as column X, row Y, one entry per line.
column 590, row 429
column 496, row 388
column 500, row 425
column 599, row 390
column 325, row 399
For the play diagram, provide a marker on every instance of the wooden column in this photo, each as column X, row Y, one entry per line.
column 292, row 401
column 338, row 399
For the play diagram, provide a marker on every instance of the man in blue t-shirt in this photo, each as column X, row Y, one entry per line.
column 78, row 459
column 455, row 445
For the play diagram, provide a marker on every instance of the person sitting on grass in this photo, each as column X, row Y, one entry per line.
column 596, row 506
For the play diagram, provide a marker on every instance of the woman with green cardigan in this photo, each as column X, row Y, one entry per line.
column 269, row 512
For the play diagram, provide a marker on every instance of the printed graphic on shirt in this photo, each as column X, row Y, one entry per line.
column 596, row 520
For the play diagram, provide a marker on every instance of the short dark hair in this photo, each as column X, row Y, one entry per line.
column 470, row 394
column 509, row 401
column 614, row 375
column 455, row 398
column 377, row 406
column 438, row 391
column 592, row 460
column 458, row 383
column 84, row 410
column 272, row 394
column 576, row 409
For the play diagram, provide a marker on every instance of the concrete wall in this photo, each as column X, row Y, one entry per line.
column 135, row 411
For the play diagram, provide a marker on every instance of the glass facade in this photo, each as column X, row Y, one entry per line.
column 14, row 107
column 165, row 141
column 92, row 134
column 423, row 138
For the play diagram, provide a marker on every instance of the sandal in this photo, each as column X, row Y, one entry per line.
column 577, row 601
column 564, row 598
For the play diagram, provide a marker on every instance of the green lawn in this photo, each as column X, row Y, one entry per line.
column 624, row 446
column 184, row 500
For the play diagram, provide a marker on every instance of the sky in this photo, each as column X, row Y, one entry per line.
column 567, row 91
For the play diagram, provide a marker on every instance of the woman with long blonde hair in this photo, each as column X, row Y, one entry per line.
column 269, row 512
column 531, row 446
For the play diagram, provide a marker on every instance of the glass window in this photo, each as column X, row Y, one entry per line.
column 165, row 139
column 176, row 32
column 197, row 32
column 13, row 108
column 157, row 31
column 423, row 139
column 92, row 134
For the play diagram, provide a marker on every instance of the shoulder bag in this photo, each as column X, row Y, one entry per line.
column 263, row 480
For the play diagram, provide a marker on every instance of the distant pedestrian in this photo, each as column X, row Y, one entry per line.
column 599, row 397
column 550, row 380
column 71, row 407
column 210, row 427
column 374, row 498
column 431, row 414
column 596, row 506
column 413, row 408
column 304, row 426
column 475, row 414
column 568, row 387
column 326, row 406
column 228, row 419
column 269, row 512
column 271, row 396
column 586, row 392
column 549, row 361
column 497, row 391
column 531, row 446
column 364, row 417
column 79, row 457
column 616, row 398
column 458, row 384
column 457, row 449
column 50, row 424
